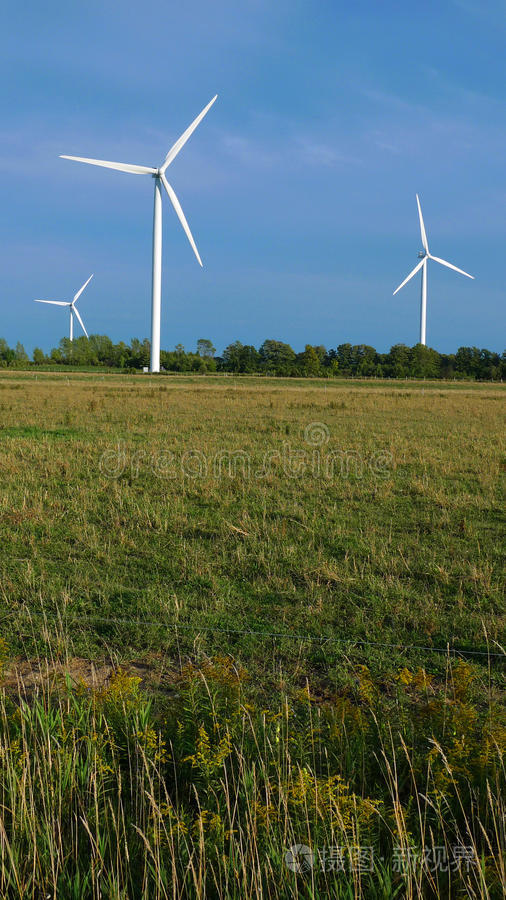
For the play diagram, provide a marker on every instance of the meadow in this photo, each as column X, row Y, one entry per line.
column 240, row 615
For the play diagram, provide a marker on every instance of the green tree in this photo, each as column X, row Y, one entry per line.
column 364, row 359
column 447, row 365
column 242, row 358
column 310, row 360
column 140, row 352
column 467, row 361
column 6, row 354
column 39, row 356
column 399, row 361
column 205, row 348
column 20, row 353
column 249, row 359
column 231, row 357
column 102, row 349
column 277, row 357
column 344, row 356
column 120, row 355
column 490, row 365
column 425, row 362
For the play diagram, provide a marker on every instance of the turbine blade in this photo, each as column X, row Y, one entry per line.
column 180, row 214
column 450, row 266
column 174, row 150
column 54, row 302
column 75, row 309
column 422, row 226
column 415, row 270
column 121, row 167
column 76, row 296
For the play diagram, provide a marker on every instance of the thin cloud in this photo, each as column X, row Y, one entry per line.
column 318, row 153
column 488, row 11
column 296, row 151
column 251, row 154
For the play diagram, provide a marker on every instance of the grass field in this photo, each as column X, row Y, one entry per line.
column 290, row 567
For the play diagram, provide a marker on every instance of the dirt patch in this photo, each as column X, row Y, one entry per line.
column 29, row 676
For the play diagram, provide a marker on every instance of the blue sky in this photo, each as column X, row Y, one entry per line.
column 299, row 186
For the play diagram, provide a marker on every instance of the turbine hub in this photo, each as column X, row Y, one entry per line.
column 421, row 254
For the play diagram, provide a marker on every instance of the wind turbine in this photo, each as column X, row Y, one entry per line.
column 424, row 256
column 159, row 179
column 72, row 308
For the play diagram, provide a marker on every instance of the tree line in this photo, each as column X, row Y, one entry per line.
column 271, row 358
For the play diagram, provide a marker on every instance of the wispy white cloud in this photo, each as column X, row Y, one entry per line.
column 249, row 153
column 293, row 152
column 321, row 154
column 461, row 123
column 449, row 88
column 490, row 10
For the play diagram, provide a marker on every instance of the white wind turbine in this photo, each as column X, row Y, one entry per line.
column 72, row 308
column 159, row 178
column 424, row 257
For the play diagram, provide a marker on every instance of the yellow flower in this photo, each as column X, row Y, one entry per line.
column 209, row 758
column 405, row 676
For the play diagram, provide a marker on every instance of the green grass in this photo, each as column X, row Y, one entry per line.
column 124, row 539
column 33, row 431
column 404, row 549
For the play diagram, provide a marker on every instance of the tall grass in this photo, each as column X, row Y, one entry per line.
column 110, row 792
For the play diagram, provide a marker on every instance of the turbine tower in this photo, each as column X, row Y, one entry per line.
column 72, row 308
column 424, row 256
column 159, row 179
